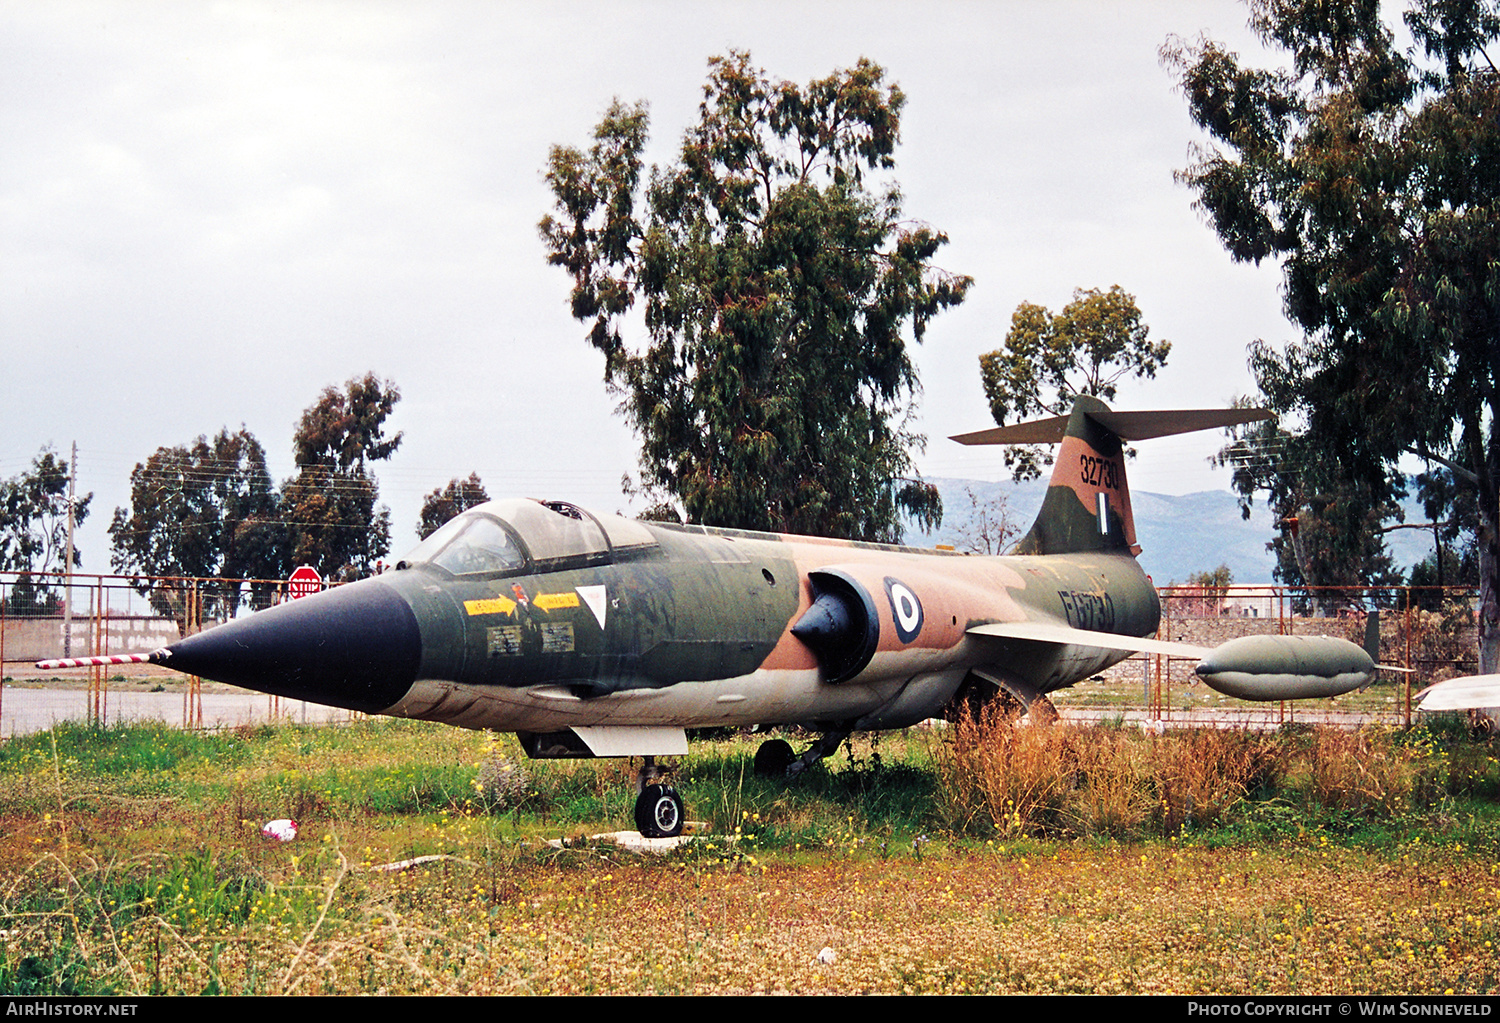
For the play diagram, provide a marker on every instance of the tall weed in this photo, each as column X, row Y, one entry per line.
column 1110, row 791
column 1200, row 775
column 1362, row 772
column 994, row 778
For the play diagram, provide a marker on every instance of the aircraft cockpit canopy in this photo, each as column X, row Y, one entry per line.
column 504, row 536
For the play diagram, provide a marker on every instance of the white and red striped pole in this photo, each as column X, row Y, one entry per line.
column 154, row 657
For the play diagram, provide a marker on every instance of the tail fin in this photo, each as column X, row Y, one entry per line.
column 1087, row 507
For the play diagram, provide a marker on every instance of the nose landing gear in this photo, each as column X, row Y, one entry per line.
column 658, row 807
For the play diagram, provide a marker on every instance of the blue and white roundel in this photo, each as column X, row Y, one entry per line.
column 906, row 609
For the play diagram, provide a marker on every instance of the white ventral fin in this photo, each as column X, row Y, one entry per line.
column 633, row 740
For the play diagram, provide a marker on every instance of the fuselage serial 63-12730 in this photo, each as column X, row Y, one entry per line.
column 595, row 635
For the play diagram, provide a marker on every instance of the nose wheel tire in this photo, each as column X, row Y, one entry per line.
column 658, row 812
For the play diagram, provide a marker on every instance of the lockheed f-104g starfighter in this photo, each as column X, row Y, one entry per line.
column 590, row 634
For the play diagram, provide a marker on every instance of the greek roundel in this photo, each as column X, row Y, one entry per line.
column 906, row 609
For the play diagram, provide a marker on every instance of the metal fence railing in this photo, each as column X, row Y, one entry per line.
column 45, row 615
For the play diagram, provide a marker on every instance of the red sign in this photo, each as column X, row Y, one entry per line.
column 303, row 582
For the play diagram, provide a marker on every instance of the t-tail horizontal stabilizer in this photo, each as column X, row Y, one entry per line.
column 1087, row 505
column 1129, row 426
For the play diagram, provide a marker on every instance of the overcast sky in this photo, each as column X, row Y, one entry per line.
column 210, row 211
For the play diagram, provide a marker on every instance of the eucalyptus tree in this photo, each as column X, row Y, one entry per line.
column 1048, row 359
column 1371, row 174
column 777, row 284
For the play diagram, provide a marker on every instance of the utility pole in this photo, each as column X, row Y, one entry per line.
column 68, row 562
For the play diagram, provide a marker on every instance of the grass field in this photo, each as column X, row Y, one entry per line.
column 953, row 861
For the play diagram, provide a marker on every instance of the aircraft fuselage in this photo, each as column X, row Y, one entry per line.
column 685, row 627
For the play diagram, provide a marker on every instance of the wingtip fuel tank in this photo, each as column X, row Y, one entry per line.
column 1272, row 668
column 1470, row 692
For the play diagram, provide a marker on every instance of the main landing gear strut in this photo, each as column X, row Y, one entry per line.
column 658, row 807
column 775, row 758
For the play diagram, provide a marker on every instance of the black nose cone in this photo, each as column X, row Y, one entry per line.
column 356, row 646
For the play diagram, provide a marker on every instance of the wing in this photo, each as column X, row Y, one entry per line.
column 1043, row 632
column 1471, row 692
column 1258, row 668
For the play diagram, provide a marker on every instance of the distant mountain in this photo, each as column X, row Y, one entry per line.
column 1179, row 535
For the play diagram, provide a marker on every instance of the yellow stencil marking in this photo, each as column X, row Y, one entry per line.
column 552, row 601
column 493, row 606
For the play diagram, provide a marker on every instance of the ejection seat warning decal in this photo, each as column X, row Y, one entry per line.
column 504, row 640
column 504, row 605
column 557, row 637
column 906, row 609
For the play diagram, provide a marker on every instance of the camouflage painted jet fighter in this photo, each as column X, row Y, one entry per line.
column 596, row 635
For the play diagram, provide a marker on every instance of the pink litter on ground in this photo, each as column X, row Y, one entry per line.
column 281, row 830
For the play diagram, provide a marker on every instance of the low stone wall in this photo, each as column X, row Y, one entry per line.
column 38, row 639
